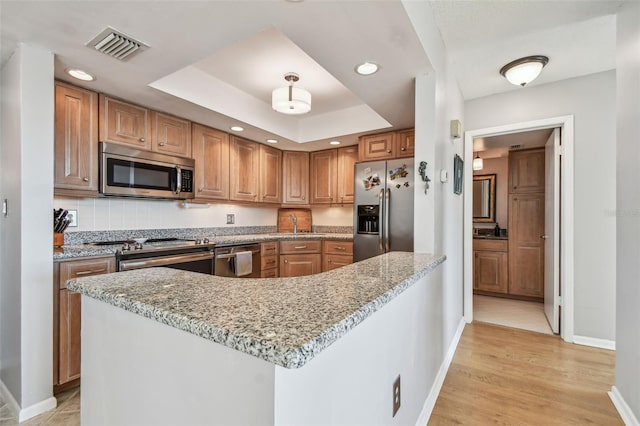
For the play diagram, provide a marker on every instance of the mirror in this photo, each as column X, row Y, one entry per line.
column 484, row 198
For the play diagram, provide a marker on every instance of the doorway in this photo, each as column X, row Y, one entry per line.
column 561, row 307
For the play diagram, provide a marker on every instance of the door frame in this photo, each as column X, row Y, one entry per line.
column 566, row 213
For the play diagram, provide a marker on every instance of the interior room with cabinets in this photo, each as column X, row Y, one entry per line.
column 509, row 230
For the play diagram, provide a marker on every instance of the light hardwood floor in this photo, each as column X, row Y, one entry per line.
column 507, row 376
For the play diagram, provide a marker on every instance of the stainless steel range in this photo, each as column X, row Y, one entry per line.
column 195, row 255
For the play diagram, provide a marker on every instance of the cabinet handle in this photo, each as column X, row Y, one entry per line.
column 93, row 271
column 141, row 139
column 303, row 197
column 340, row 248
column 161, row 144
column 270, row 262
column 201, row 189
column 300, row 247
column 544, row 237
column 403, row 149
column 85, row 179
column 389, row 152
column 329, row 260
column 286, row 261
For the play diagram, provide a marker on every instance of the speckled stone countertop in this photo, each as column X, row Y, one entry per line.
column 90, row 250
column 285, row 321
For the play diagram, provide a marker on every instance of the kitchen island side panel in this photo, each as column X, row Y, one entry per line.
column 159, row 375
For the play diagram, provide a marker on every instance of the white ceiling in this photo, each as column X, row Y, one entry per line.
column 216, row 62
column 500, row 145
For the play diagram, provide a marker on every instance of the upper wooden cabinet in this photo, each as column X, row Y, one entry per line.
column 76, row 139
column 347, row 158
column 244, row 159
column 295, row 177
column 526, row 171
column 270, row 175
column 124, row 123
column 170, row 135
column 405, row 143
column 323, row 166
column 378, row 147
column 211, row 153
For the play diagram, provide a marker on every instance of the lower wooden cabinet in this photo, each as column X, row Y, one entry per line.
column 490, row 266
column 300, row 257
column 67, row 312
column 336, row 254
column 269, row 260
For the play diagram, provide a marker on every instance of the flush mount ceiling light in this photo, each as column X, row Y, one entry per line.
column 80, row 74
column 367, row 68
column 237, row 128
column 272, row 140
column 524, row 70
column 289, row 99
column 477, row 162
column 334, row 143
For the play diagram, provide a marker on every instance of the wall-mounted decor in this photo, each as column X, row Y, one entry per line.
column 458, row 166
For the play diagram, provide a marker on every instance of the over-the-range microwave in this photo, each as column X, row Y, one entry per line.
column 130, row 172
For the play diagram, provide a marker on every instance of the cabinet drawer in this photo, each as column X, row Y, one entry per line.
column 268, row 262
column 269, row 273
column 333, row 261
column 269, row 249
column 490, row 245
column 337, row 247
column 85, row 268
column 300, row 246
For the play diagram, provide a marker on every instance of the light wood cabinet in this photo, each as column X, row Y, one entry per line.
column 300, row 257
column 378, row 147
column 211, row 154
column 269, row 261
column 405, row 143
column 244, row 159
column 67, row 317
column 490, row 266
column 170, row 135
column 526, row 171
column 323, row 171
column 270, row 175
column 347, row 158
column 336, row 254
column 526, row 245
column 124, row 123
column 76, row 140
column 295, row 177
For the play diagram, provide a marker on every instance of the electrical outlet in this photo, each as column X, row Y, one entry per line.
column 231, row 219
column 73, row 216
column 396, row 396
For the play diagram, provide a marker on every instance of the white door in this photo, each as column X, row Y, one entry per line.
column 552, row 231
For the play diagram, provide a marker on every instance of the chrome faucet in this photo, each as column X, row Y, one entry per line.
column 294, row 219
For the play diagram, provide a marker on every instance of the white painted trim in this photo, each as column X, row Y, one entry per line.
column 595, row 343
column 430, row 402
column 566, row 219
column 623, row 408
column 23, row 414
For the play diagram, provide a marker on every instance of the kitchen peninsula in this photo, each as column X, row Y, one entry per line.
column 162, row 346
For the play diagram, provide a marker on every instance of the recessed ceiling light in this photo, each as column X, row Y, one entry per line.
column 367, row 68
column 237, row 128
column 80, row 74
column 334, row 143
column 272, row 140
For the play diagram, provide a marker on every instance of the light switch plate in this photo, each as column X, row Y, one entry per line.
column 231, row 219
column 444, row 176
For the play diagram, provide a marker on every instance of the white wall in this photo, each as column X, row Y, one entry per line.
column 628, row 206
column 26, row 250
column 591, row 99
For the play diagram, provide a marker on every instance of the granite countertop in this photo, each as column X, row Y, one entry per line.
column 90, row 250
column 285, row 321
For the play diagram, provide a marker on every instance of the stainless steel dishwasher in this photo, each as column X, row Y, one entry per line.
column 225, row 259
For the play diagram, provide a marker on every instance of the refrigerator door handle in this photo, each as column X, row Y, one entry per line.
column 381, row 215
column 387, row 213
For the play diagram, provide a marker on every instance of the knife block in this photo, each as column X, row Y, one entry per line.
column 58, row 239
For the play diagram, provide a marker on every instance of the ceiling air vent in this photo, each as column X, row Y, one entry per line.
column 517, row 146
column 116, row 44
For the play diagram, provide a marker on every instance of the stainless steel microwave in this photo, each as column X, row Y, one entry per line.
column 130, row 172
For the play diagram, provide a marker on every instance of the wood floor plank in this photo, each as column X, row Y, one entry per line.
column 505, row 376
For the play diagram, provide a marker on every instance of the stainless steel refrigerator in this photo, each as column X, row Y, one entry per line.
column 383, row 208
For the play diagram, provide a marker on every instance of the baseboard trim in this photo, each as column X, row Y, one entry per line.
column 623, row 408
column 430, row 402
column 23, row 414
column 593, row 342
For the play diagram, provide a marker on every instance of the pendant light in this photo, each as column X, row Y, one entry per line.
column 477, row 162
column 291, row 100
column 524, row 70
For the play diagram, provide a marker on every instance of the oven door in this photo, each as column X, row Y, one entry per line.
column 195, row 262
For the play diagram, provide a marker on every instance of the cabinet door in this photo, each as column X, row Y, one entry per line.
column 526, row 171
column 69, row 335
column 244, row 158
column 76, row 138
column 270, row 175
column 347, row 158
column 405, row 143
column 323, row 173
column 377, row 147
column 211, row 153
column 297, row 265
column 334, row 261
column 295, row 177
column 124, row 123
column 526, row 245
column 170, row 135
column 490, row 271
